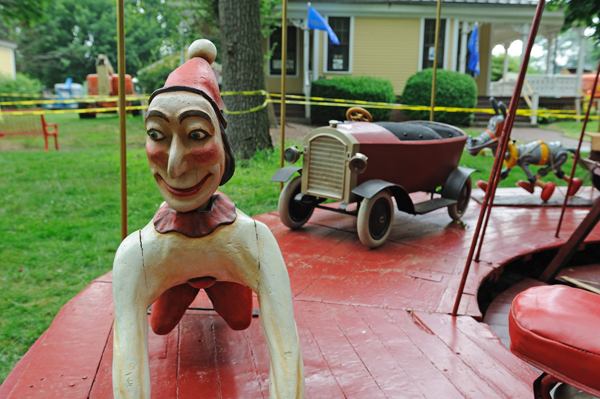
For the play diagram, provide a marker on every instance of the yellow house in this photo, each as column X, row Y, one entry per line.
column 7, row 59
column 394, row 39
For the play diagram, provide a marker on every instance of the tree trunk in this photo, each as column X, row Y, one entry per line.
column 242, row 55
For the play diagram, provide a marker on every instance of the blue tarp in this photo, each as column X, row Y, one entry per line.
column 474, row 49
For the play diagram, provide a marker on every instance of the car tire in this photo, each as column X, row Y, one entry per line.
column 456, row 211
column 292, row 213
column 375, row 219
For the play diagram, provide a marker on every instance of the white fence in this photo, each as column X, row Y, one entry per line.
column 537, row 86
column 542, row 85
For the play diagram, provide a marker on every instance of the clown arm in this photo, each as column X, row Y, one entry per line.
column 131, row 373
column 286, row 377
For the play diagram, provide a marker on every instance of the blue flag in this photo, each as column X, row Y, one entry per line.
column 474, row 49
column 316, row 21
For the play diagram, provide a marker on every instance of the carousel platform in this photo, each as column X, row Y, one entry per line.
column 372, row 323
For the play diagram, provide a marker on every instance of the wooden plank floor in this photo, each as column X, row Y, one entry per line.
column 372, row 323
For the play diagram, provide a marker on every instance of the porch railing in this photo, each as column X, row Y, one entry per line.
column 543, row 85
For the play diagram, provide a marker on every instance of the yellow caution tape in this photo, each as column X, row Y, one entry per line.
column 68, row 111
column 245, row 93
column 294, row 99
column 88, row 99
column 247, row 111
column 23, row 95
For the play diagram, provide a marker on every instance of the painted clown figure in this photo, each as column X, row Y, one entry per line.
column 198, row 240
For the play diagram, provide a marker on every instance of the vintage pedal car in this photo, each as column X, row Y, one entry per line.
column 368, row 164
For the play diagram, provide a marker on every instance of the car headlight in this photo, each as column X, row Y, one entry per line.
column 291, row 154
column 358, row 163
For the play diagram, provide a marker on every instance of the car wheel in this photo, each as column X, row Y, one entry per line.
column 456, row 211
column 375, row 219
column 292, row 213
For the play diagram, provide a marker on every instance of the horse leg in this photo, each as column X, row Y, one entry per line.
column 559, row 162
column 547, row 187
column 532, row 179
column 575, row 185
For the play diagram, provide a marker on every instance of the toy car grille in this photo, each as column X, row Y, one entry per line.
column 326, row 167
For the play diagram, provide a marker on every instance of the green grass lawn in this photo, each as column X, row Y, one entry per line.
column 60, row 222
column 571, row 128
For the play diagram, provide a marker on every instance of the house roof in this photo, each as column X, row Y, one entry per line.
column 8, row 45
column 511, row 12
column 517, row 3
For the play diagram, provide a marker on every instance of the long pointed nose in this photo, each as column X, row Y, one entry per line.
column 179, row 161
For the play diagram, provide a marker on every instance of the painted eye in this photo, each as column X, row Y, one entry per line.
column 155, row 135
column 197, row 135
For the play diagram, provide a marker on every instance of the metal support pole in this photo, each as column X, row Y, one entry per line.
column 122, row 113
column 435, row 57
column 576, row 159
column 495, row 176
column 580, row 60
column 283, row 74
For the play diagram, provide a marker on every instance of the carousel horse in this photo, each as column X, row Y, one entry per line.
column 552, row 156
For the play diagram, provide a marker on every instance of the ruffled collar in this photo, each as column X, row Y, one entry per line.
column 196, row 224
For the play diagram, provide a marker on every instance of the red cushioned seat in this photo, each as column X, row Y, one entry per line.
column 556, row 329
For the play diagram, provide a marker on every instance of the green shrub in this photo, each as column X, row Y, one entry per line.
column 22, row 85
column 154, row 75
column 351, row 88
column 452, row 89
column 545, row 120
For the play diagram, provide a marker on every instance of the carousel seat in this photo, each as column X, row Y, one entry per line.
column 555, row 328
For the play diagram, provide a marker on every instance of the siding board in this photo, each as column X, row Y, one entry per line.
column 387, row 48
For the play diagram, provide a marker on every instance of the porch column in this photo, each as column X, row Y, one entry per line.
column 455, row 30
column 505, row 69
column 524, row 31
column 463, row 47
column 315, row 60
column 306, row 71
column 550, row 57
column 505, row 66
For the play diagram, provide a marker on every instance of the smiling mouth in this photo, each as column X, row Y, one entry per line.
column 186, row 192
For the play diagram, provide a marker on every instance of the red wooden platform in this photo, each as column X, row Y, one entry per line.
column 372, row 323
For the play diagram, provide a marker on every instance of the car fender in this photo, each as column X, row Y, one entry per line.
column 455, row 182
column 284, row 174
column 369, row 188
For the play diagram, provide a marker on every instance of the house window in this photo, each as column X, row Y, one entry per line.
column 429, row 44
column 338, row 56
column 292, row 51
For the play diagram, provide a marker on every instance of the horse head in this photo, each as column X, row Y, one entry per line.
column 489, row 138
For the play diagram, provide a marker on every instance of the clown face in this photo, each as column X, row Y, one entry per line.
column 185, row 149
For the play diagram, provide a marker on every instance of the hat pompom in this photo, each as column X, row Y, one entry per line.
column 204, row 49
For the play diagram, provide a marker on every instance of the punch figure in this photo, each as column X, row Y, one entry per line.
column 198, row 240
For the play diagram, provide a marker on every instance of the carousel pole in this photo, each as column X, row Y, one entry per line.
column 504, row 139
column 577, row 153
column 435, row 55
column 283, row 74
column 122, row 113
